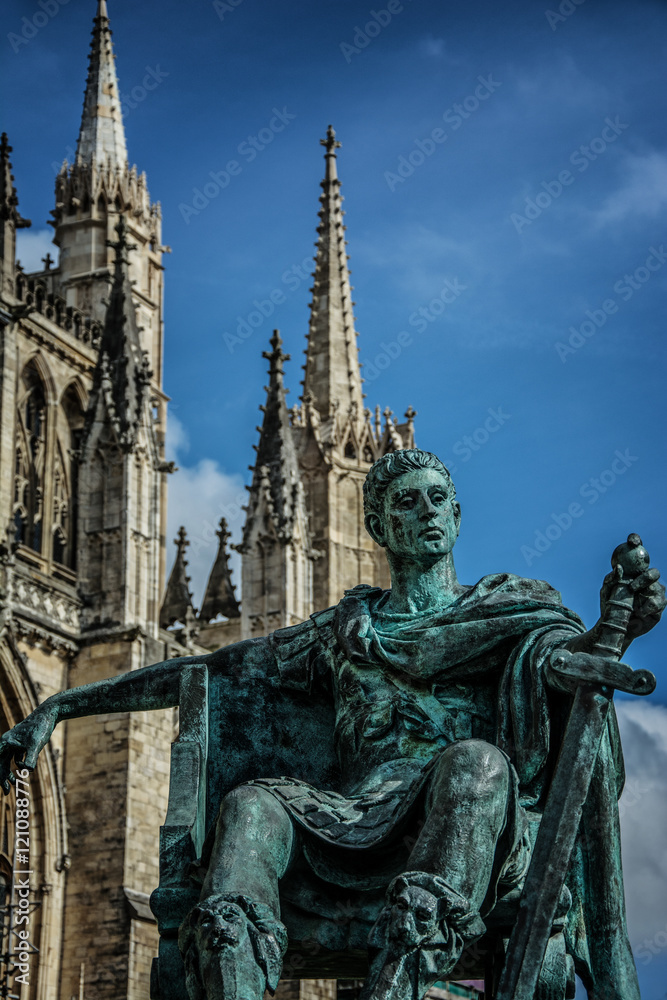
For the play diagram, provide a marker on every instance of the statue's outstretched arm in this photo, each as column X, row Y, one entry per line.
column 155, row 686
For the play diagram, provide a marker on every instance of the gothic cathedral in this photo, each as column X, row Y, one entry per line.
column 83, row 499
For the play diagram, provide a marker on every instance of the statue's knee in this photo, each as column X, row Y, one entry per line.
column 473, row 765
column 245, row 800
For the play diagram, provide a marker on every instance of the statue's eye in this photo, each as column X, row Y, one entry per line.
column 423, row 914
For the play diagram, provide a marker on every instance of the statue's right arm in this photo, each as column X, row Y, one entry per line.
column 155, row 686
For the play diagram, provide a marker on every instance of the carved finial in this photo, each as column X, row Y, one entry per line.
column 223, row 532
column 276, row 356
column 331, row 143
column 177, row 598
column 181, row 542
column 121, row 246
column 410, row 415
column 48, row 262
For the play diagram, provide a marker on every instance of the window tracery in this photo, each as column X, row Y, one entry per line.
column 30, row 460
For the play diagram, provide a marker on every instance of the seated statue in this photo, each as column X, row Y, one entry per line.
column 448, row 718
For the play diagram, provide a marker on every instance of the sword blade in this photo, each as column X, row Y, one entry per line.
column 555, row 840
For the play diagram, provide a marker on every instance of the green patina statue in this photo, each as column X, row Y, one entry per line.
column 450, row 704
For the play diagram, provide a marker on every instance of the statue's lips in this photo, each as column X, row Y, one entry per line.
column 432, row 531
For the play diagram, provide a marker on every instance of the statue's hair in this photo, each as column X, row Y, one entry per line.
column 396, row 463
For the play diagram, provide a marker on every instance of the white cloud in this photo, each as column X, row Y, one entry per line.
column 420, row 259
column 32, row 245
column 643, row 192
column 199, row 495
column 643, row 809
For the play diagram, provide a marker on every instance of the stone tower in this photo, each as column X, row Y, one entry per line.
column 82, row 548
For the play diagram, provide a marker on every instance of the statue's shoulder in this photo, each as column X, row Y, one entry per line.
column 303, row 652
column 518, row 586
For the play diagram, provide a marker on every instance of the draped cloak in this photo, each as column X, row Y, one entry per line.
column 405, row 687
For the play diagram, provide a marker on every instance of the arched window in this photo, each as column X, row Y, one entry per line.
column 30, row 459
column 65, row 478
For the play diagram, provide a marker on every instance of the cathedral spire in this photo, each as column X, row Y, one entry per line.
column 101, row 136
column 276, row 471
column 10, row 219
column 122, row 374
column 219, row 598
column 177, row 604
column 332, row 374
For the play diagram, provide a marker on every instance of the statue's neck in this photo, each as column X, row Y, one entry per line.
column 417, row 587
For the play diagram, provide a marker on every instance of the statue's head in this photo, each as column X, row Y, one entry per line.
column 410, row 505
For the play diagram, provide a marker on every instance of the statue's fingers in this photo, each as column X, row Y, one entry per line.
column 30, row 759
column 652, row 598
column 645, row 579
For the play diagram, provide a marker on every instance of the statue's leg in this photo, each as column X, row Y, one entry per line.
column 254, row 840
column 233, row 942
column 432, row 910
column 467, row 812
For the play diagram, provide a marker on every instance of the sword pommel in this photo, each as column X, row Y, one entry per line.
column 631, row 557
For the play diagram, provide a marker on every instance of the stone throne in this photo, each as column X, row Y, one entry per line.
column 247, row 724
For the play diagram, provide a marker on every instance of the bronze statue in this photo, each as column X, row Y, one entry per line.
column 450, row 705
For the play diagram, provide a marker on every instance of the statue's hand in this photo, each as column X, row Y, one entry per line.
column 24, row 742
column 566, row 670
column 649, row 601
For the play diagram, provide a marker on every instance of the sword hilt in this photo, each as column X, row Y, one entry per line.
column 628, row 562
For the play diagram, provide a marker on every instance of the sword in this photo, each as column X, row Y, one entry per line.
column 597, row 676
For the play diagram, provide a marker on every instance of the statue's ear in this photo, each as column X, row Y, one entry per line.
column 456, row 507
column 375, row 528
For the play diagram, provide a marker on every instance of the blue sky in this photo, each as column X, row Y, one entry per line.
column 505, row 172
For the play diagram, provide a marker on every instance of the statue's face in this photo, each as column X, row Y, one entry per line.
column 419, row 521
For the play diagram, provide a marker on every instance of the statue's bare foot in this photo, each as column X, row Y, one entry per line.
column 232, row 949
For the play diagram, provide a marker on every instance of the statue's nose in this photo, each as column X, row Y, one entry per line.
column 427, row 508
